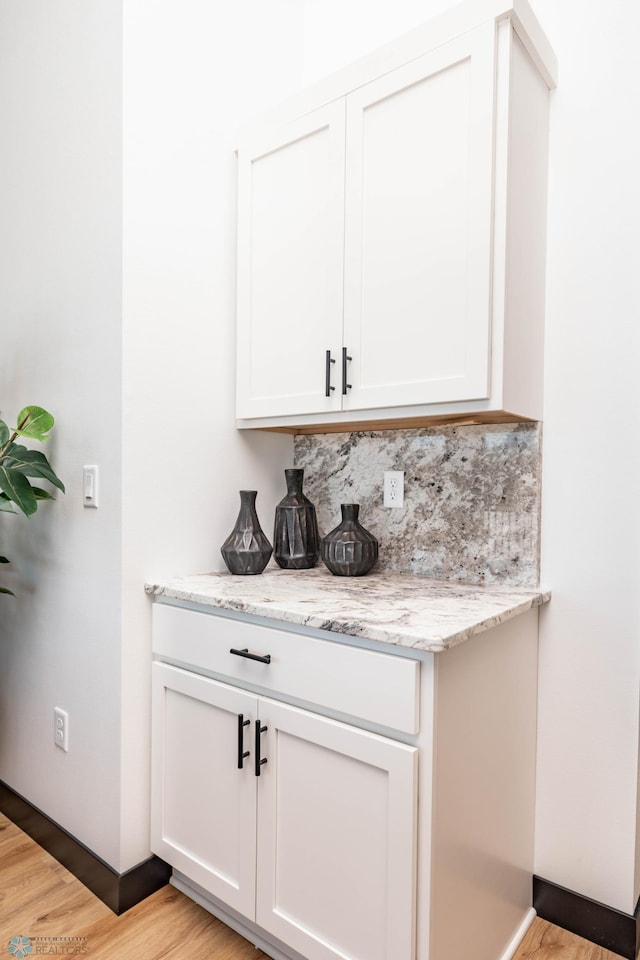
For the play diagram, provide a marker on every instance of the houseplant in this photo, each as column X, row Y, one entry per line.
column 18, row 464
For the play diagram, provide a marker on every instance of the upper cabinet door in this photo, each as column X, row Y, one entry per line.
column 418, row 228
column 290, row 266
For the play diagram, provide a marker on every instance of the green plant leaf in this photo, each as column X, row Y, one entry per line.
column 31, row 463
column 18, row 489
column 5, row 505
column 4, row 560
column 41, row 494
column 4, row 590
column 5, row 433
column 34, row 422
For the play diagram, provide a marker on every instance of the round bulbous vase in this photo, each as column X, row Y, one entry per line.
column 296, row 541
column 246, row 551
column 349, row 550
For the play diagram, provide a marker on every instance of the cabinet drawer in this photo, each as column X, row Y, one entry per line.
column 375, row 687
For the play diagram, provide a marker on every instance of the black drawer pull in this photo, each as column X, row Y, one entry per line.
column 251, row 656
column 242, row 753
column 328, row 389
column 345, row 356
column 259, row 760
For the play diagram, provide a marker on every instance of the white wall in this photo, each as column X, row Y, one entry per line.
column 590, row 649
column 60, row 293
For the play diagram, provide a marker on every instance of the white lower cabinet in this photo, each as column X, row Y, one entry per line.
column 332, row 801
column 302, row 824
column 204, row 808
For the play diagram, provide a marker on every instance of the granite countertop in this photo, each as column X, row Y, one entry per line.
column 399, row 609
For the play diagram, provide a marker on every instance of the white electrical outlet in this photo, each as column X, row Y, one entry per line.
column 393, row 488
column 61, row 729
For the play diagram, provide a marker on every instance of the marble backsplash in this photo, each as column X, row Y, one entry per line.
column 472, row 497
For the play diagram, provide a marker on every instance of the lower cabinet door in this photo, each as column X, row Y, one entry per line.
column 203, row 818
column 336, row 838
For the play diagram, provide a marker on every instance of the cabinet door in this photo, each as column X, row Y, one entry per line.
column 418, row 228
column 336, row 838
column 203, row 809
column 290, row 262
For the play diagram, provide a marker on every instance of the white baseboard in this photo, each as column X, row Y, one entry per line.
column 519, row 935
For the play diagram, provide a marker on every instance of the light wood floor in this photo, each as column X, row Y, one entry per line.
column 39, row 898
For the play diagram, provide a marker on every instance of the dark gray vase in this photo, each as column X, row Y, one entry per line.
column 246, row 550
column 349, row 550
column 296, row 541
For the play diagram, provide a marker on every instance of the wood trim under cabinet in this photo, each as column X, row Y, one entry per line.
column 606, row 926
column 119, row 891
column 402, row 423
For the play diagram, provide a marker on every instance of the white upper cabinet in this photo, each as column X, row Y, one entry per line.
column 391, row 241
column 418, row 229
column 290, row 262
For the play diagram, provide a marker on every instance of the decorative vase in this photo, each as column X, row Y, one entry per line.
column 349, row 550
column 246, row 550
column 296, row 541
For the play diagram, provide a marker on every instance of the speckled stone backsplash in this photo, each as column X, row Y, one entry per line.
column 472, row 497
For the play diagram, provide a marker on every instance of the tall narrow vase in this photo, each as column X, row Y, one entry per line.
column 246, row 550
column 349, row 550
column 296, row 541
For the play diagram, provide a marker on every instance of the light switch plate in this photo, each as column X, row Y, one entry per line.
column 90, row 486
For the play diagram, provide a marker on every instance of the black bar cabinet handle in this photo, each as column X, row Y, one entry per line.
column 259, row 760
column 327, row 375
column 242, row 753
column 345, row 356
column 251, row 656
